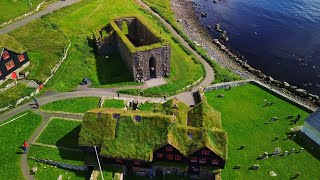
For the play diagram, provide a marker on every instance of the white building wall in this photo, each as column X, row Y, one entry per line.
column 311, row 132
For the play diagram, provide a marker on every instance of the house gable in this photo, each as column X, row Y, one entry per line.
column 168, row 153
column 206, row 157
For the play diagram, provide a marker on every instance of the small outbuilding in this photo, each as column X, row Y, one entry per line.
column 311, row 126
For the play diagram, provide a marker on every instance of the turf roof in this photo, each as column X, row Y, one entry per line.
column 203, row 115
column 126, row 138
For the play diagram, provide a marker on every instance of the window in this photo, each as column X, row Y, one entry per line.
column 5, row 55
column 9, row 65
column 170, row 156
column 21, row 57
column 119, row 161
column 205, row 152
column 136, row 162
column 202, row 160
column 169, row 149
column 215, row 161
column 159, row 155
column 193, row 159
column 177, row 157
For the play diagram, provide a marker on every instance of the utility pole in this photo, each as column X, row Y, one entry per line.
column 95, row 148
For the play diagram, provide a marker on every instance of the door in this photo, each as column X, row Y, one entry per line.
column 152, row 67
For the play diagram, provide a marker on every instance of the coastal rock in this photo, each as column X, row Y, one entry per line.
column 313, row 96
column 245, row 65
column 218, row 28
column 317, row 102
column 301, row 92
column 269, row 78
column 216, row 41
column 285, row 84
column 292, row 88
column 208, row 27
column 203, row 14
column 277, row 82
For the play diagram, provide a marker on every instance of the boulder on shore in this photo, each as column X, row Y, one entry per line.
column 301, row 92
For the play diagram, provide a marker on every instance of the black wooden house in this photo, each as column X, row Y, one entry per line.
column 11, row 63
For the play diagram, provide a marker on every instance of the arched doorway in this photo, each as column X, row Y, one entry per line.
column 152, row 67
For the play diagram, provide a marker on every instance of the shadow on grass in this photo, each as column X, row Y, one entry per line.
column 110, row 69
column 70, row 140
column 308, row 144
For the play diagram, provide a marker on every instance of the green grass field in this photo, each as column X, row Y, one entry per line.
column 244, row 117
column 113, row 103
column 73, row 105
column 66, row 136
column 12, row 136
column 77, row 23
column 61, row 133
column 12, row 9
column 46, row 171
column 10, row 97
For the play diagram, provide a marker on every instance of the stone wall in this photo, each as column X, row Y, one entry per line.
column 162, row 66
column 142, row 34
column 126, row 56
column 108, row 40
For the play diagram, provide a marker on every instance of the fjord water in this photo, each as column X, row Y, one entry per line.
column 279, row 37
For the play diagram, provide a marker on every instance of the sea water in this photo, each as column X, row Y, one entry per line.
column 279, row 37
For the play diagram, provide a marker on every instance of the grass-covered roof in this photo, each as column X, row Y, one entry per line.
column 126, row 137
column 190, row 139
column 11, row 43
column 203, row 115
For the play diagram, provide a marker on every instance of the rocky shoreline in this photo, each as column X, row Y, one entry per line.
column 187, row 19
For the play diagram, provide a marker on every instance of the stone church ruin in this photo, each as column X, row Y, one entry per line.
column 144, row 52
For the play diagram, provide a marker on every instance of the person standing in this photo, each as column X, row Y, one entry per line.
column 35, row 100
column 25, row 147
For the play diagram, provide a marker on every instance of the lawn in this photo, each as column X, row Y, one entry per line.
column 67, row 136
column 12, row 136
column 243, row 117
column 12, row 9
column 147, row 106
column 113, row 103
column 11, row 96
column 73, row 105
column 46, row 171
